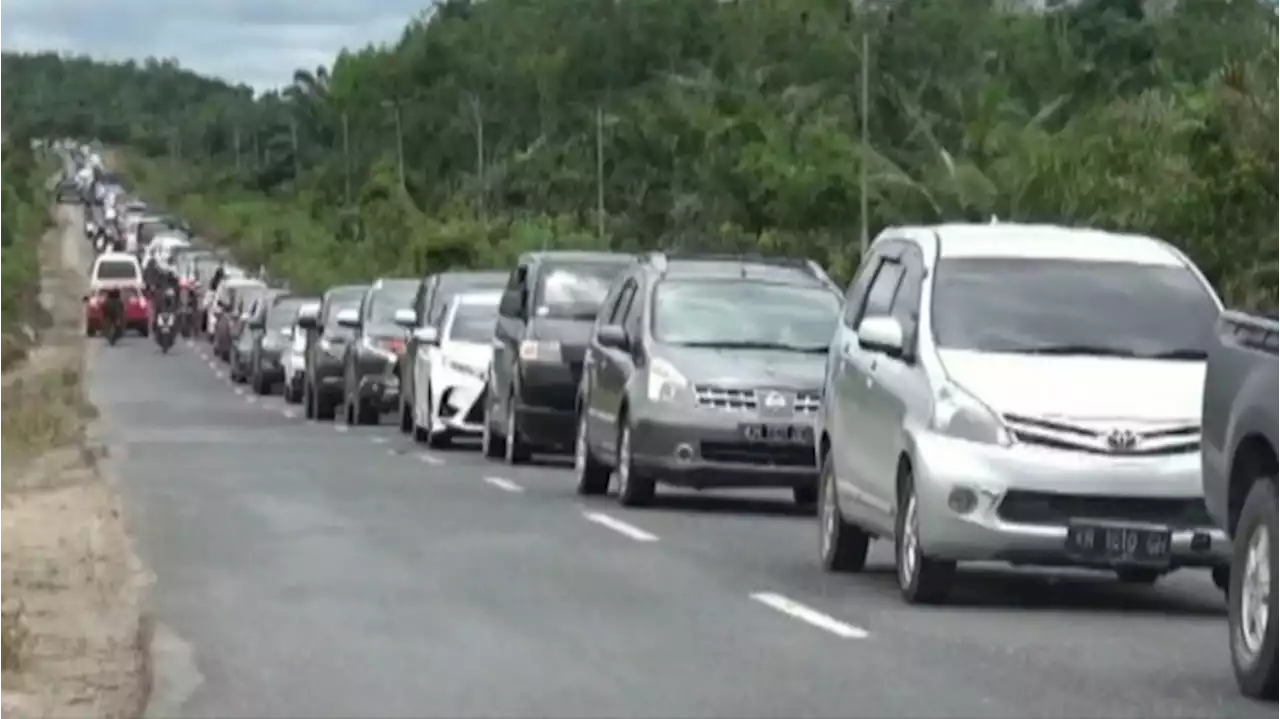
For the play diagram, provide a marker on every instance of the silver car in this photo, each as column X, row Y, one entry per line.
column 1019, row 393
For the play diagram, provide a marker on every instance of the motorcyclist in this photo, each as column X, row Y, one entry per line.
column 219, row 275
column 113, row 307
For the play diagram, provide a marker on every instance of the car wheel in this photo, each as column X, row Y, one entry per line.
column 367, row 412
column 842, row 546
column 491, row 444
column 805, row 496
column 1138, row 575
column 406, row 415
column 517, row 450
column 922, row 579
column 260, row 384
column 593, row 475
column 635, row 489
column 326, row 407
column 1251, row 603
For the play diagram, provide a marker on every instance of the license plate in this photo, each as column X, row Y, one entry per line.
column 777, row 433
column 1118, row 543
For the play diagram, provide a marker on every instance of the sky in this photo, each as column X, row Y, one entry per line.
column 256, row 42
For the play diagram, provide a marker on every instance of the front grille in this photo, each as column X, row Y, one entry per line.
column 1025, row 507
column 808, row 402
column 741, row 400
column 1091, row 439
column 759, row 453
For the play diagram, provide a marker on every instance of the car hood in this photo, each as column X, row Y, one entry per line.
column 472, row 354
column 1081, row 388
column 746, row 369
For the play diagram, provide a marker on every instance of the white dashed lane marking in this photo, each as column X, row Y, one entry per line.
column 430, row 459
column 617, row 525
column 810, row 616
column 505, row 485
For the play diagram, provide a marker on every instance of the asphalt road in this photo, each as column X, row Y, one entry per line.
column 312, row 570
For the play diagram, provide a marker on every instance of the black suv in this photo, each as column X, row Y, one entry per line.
column 704, row 372
column 272, row 333
column 326, row 346
column 429, row 306
column 544, row 319
column 370, row 386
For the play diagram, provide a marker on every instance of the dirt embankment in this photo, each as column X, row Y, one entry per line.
column 73, row 644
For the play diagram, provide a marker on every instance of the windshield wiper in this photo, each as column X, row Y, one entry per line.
column 1182, row 353
column 732, row 345
column 1092, row 350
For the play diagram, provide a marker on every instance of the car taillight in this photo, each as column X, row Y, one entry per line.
column 95, row 300
column 393, row 346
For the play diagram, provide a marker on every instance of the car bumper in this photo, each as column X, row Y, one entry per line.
column 380, row 390
column 545, row 407
column 458, row 401
column 270, row 366
column 326, row 376
column 1026, row 496
column 708, row 449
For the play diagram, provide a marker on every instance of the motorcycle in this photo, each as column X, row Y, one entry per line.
column 165, row 330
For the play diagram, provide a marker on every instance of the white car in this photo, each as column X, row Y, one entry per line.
column 449, row 377
column 294, row 357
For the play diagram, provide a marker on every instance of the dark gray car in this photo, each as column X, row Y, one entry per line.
column 272, row 333
column 326, row 347
column 370, row 385
column 706, row 373
column 544, row 319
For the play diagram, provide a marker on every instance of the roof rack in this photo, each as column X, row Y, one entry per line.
column 660, row 259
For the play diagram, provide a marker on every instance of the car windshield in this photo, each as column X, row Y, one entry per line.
column 450, row 286
column 391, row 296
column 575, row 291
column 348, row 298
column 117, row 270
column 1070, row 307
column 744, row 314
column 473, row 321
column 283, row 313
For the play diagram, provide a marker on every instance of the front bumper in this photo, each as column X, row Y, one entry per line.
column 382, row 390
column 707, row 448
column 270, row 366
column 1027, row 495
column 457, row 401
column 545, row 406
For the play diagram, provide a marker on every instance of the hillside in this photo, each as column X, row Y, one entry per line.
column 719, row 125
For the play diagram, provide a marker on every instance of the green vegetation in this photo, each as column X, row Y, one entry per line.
column 724, row 124
column 26, row 214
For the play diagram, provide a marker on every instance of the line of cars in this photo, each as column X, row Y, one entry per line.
column 1027, row 394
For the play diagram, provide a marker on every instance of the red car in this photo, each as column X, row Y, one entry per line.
column 137, row 310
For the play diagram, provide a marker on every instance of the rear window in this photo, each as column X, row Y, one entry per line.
column 117, row 270
column 576, row 291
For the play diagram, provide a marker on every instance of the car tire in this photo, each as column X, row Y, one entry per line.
column 842, row 547
column 517, row 451
column 806, row 495
column 1255, row 666
column 491, row 443
column 326, row 408
column 593, row 475
column 406, row 415
column 1138, row 575
column 260, row 384
column 635, row 489
column 921, row 579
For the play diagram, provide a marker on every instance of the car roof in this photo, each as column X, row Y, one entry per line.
column 1050, row 242
column 238, row 282
column 571, row 256
column 115, row 257
column 722, row 269
column 476, row 297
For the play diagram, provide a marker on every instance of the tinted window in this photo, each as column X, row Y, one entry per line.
column 340, row 300
column 575, row 291
column 1068, row 307
column 883, row 288
column 117, row 270
column 391, row 296
column 474, row 321
column 752, row 313
column 284, row 312
column 449, row 286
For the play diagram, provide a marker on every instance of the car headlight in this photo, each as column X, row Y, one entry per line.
column 540, row 351
column 328, row 346
column 958, row 414
column 466, row 369
column 378, row 348
column 666, row 384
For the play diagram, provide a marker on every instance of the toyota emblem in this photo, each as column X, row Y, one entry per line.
column 1121, row 440
column 775, row 400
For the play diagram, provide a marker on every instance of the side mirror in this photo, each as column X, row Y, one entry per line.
column 349, row 318
column 881, row 334
column 308, row 316
column 613, row 336
column 427, row 335
column 406, row 318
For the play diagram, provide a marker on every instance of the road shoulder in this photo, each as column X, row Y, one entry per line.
column 74, row 639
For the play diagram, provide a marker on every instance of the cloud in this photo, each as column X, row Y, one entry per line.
column 256, row 42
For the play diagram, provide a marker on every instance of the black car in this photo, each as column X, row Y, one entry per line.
column 544, row 319
column 250, row 330
column 69, row 192
column 248, row 301
column 429, row 306
column 706, row 372
column 273, row 333
column 370, row 386
column 326, row 347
